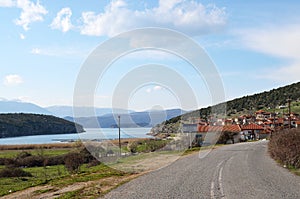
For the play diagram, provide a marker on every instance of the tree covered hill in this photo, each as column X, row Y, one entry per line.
column 20, row 124
column 248, row 104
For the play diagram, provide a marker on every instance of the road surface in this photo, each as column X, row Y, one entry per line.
column 234, row 171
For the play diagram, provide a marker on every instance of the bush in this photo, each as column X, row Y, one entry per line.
column 93, row 163
column 31, row 161
column 284, row 146
column 86, row 155
column 7, row 161
column 9, row 172
column 23, row 154
column 150, row 145
column 73, row 161
column 55, row 160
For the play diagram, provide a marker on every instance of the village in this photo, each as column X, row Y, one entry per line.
column 257, row 126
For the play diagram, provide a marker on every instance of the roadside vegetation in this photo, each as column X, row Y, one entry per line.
column 58, row 167
column 284, row 147
column 149, row 145
column 51, row 168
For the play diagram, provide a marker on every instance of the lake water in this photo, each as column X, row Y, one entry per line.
column 90, row 134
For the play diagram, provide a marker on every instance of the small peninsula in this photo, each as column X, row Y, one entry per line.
column 22, row 124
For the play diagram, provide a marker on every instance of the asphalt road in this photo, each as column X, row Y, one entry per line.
column 234, row 171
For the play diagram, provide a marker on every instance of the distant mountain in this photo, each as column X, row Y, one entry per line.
column 67, row 111
column 7, row 106
column 20, row 124
column 131, row 120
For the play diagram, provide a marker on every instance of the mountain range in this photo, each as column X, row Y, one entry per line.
column 131, row 120
column 16, row 106
column 7, row 106
column 106, row 117
column 65, row 111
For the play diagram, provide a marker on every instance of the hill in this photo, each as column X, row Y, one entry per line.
column 135, row 119
column 268, row 100
column 67, row 111
column 7, row 106
column 13, row 125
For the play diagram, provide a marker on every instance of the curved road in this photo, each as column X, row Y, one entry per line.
column 234, row 171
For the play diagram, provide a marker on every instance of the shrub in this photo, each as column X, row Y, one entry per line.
column 93, row 163
column 55, row 160
column 86, row 155
column 9, row 172
column 23, row 154
column 7, row 161
column 284, row 146
column 150, row 145
column 31, row 161
column 73, row 162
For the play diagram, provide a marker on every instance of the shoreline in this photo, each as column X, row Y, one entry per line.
column 61, row 144
column 90, row 135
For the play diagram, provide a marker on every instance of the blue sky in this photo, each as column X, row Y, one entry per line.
column 255, row 46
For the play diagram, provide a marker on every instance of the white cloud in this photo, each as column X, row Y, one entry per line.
column 31, row 12
column 62, row 21
column 22, row 36
column 282, row 42
column 12, row 80
column 278, row 41
column 190, row 17
column 36, row 51
column 60, row 52
column 7, row 3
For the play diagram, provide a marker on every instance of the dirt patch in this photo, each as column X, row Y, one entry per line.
column 149, row 162
column 98, row 187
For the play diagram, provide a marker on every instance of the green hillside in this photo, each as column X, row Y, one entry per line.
column 268, row 100
column 20, row 124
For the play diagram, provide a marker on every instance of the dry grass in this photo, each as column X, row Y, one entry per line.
column 40, row 146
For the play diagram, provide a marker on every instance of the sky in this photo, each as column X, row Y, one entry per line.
column 254, row 45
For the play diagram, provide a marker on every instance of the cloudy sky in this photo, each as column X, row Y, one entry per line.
column 255, row 46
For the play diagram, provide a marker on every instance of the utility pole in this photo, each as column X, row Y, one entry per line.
column 119, row 118
column 289, row 106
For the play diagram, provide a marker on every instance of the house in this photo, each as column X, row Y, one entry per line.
column 214, row 134
column 254, row 130
column 189, row 128
column 260, row 115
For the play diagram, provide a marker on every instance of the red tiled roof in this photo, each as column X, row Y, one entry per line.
column 226, row 128
column 260, row 111
column 252, row 127
column 268, row 122
column 280, row 120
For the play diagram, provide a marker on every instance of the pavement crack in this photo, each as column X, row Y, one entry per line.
column 218, row 191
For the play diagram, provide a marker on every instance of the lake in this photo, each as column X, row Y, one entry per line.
column 90, row 134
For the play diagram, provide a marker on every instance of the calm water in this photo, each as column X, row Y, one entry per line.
column 90, row 134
